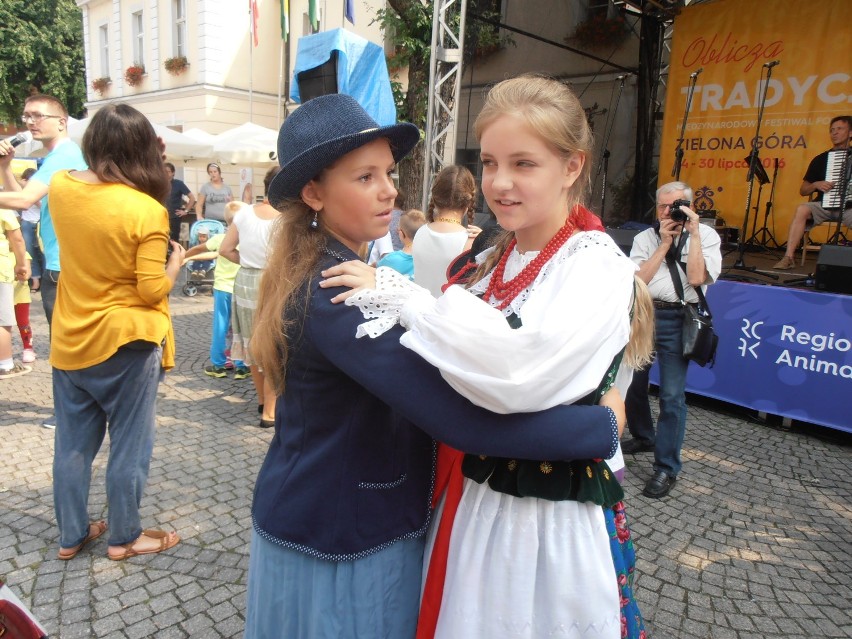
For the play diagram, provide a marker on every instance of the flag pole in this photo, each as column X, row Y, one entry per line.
column 284, row 71
column 280, row 80
column 251, row 62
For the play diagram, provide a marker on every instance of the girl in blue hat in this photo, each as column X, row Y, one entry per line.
column 343, row 499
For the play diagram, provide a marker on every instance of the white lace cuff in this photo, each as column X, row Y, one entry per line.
column 383, row 305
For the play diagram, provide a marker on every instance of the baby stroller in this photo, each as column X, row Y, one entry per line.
column 200, row 272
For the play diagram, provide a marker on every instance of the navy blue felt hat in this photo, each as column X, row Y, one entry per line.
column 321, row 131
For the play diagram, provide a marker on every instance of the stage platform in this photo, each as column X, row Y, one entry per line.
column 762, row 260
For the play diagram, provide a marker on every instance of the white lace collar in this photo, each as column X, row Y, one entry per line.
column 517, row 261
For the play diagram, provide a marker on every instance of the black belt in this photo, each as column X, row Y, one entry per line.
column 667, row 305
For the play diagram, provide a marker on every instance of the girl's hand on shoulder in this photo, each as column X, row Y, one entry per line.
column 354, row 275
column 612, row 399
column 473, row 231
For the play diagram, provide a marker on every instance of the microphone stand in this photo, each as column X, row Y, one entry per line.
column 605, row 161
column 754, row 163
column 693, row 78
column 764, row 233
column 604, row 165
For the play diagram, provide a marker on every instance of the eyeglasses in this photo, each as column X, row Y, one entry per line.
column 663, row 207
column 35, row 118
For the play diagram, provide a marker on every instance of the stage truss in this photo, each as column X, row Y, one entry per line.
column 445, row 72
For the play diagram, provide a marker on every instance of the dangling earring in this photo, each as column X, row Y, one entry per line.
column 314, row 222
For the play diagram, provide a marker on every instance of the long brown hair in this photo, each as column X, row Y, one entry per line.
column 454, row 189
column 120, row 146
column 294, row 250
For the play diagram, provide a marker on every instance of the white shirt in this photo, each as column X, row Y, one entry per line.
column 254, row 237
column 433, row 253
column 661, row 286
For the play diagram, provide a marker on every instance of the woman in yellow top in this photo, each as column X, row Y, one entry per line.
column 112, row 332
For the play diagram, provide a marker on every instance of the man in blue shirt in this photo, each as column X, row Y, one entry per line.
column 47, row 120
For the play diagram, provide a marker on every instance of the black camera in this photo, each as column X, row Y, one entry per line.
column 675, row 214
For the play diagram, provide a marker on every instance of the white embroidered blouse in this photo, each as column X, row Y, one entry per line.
column 575, row 320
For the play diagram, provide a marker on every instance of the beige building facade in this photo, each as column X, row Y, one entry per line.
column 227, row 80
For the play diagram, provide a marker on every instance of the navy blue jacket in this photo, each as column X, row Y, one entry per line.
column 350, row 468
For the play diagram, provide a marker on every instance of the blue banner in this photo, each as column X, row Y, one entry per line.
column 781, row 351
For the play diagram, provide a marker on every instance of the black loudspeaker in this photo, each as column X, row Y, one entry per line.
column 834, row 269
column 624, row 238
column 320, row 80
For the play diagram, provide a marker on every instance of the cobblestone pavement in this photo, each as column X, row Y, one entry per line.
column 754, row 540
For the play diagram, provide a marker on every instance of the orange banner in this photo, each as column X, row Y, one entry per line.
column 731, row 44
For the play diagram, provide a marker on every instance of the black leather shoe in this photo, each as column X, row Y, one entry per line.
column 659, row 485
column 633, row 446
column 267, row 423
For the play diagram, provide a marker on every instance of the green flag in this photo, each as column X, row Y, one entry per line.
column 313, row 14
column 285, row 19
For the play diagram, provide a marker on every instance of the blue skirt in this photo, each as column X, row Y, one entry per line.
column 294, row 595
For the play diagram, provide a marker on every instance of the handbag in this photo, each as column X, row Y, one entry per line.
column 16, row 622
column 699, row 339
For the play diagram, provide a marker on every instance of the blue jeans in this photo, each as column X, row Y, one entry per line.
column 671, row 425
column 119, row 394
column 640, row 422
column 29, row 231
column 49, row 283
column 221, row 323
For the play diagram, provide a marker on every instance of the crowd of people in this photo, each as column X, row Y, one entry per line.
column 378, row 511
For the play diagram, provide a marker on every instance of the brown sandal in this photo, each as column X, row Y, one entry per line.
column 69, row 553
column 167, row 540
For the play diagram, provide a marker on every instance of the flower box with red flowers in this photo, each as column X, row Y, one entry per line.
column 101, row 84
column 600, row 31
column 133, row 74
column 176, row 65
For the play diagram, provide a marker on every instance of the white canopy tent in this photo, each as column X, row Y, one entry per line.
column 248, row 143
column 200, row 135
column 178, row 145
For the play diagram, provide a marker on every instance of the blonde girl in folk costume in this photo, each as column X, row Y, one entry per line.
column 342, row 501
column 528, row 547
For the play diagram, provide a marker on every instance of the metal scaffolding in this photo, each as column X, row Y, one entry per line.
column 445, row 71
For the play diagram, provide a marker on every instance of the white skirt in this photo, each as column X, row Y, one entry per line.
column 527, row 568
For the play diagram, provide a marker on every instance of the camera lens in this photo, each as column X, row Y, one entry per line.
column 675, row 213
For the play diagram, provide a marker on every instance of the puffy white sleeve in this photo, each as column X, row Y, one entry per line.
column 575, row 321
column 382, row 305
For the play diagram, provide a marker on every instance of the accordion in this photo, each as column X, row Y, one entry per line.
column 835, row 171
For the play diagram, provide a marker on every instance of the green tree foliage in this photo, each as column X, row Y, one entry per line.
column 408, row 26
column 41, row 51
column 408, row 23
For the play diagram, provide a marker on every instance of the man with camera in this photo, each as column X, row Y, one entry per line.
column 678, row 235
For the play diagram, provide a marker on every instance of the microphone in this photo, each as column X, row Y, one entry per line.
column 21, row 138
column 695, row 73
column 769, row 65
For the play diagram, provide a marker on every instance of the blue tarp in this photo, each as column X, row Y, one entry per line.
column 362, row 71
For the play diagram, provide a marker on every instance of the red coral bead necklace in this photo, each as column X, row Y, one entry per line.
column 505, row 292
